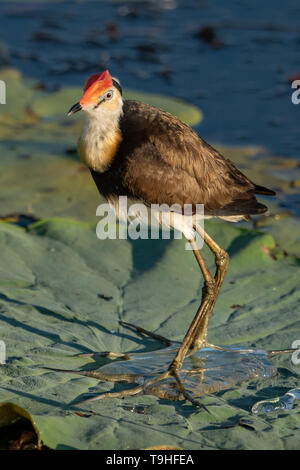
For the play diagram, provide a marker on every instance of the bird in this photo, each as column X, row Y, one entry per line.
column 150, row 156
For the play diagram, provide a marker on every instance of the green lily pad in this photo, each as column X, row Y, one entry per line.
column 19, row 93
column 63, row 292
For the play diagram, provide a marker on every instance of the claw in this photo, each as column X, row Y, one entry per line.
column 186, row 394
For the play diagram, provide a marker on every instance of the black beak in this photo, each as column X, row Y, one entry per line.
column 75, row 108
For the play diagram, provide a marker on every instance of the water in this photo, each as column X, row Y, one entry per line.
column 286, row 402
column 206, row 371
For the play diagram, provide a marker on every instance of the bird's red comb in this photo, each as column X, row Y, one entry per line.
column 99, row 77
column 95, row 84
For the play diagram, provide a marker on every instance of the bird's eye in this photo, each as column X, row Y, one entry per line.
column 109, row 95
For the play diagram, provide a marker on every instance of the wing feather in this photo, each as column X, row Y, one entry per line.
column 161, row 160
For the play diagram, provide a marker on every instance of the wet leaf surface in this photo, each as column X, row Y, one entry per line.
column 50, row 311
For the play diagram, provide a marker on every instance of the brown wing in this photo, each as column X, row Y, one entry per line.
column 161, row 160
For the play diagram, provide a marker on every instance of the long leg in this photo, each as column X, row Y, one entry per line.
column 222, row 261
column 208, row 295
column 195, row 337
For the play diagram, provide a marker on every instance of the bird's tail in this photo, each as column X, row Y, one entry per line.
column 262, row 190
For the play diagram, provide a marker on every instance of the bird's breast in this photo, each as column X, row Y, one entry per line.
column 98, row 151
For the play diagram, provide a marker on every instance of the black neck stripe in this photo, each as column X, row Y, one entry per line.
column 117, row 86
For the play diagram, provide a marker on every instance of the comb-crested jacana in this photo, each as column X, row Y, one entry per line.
column 136, row 150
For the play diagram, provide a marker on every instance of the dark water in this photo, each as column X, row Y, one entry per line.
column 238, row 71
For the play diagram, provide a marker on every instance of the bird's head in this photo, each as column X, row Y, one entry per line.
column 102, row 95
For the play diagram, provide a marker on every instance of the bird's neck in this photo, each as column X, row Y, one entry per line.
column 100, row 139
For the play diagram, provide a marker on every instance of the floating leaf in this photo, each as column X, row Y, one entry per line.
column 51, row 276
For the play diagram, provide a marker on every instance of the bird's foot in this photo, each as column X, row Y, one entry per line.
column 161, row 373
column 166, row 385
